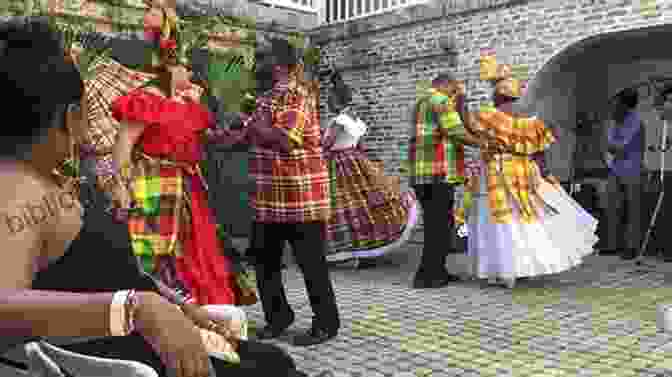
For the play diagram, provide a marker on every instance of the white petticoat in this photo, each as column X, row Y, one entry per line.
column 555, row 244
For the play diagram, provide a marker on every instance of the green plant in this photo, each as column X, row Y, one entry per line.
column 312, row 56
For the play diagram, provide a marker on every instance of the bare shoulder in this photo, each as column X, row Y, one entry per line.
column 20, row 236
column 18, row 188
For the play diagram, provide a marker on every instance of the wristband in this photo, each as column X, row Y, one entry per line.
column 131, row 306
column 118, row 313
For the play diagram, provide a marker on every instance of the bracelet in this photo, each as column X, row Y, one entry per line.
column 118, row 313
column 179, row 299
column 130, row 307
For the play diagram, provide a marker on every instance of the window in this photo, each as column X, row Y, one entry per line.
column 309, row 6
column 345, row 10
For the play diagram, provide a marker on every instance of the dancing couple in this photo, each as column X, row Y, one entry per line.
column 521, row 222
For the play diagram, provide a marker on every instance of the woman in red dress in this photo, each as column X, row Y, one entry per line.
column 172, row 228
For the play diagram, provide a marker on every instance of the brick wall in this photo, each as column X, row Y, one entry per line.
column 383, row 57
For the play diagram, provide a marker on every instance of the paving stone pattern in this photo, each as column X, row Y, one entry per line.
column 598, row 320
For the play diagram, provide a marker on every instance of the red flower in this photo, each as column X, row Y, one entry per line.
column 168, row 44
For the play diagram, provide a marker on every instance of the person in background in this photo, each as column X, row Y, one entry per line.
column 435, row 164
column 626, row 145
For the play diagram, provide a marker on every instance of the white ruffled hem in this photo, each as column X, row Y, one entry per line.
column 556, row 244
column 380, row 251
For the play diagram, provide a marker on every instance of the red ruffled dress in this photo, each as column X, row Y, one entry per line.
column 173, row 221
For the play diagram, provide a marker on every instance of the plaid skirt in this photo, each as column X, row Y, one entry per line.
column 368, row 212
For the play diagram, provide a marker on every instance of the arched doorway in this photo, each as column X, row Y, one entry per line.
column 584, row 77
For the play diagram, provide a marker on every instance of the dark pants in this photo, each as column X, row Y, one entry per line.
column 256, row 359
column 308, row 245
column 437, row 201
column 625, row 214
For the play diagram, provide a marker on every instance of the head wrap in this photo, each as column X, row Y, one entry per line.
column 169, row 46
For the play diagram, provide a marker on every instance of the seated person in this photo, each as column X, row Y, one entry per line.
column 69, row 270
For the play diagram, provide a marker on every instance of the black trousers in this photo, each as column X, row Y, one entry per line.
column 256, row 359
column 437, row 201
column 308, row 245
column 626, row 217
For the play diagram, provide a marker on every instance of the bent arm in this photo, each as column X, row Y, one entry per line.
column 25, row 312
column 628, row 131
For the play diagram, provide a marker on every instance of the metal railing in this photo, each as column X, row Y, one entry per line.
column 309, row 6
column 336, row 11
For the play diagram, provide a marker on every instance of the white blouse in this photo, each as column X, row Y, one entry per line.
column 352, row 130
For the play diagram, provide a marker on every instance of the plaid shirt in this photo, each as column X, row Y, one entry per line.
column 290, row 187
column 433, row 158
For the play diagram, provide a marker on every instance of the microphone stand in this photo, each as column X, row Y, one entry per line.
column 665, row 115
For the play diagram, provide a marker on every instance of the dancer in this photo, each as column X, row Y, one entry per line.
column 436, row 167
column 291, row 200
column 521, row 222
column 159, row 148
column 371, row 216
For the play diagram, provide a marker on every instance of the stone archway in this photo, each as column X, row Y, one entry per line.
column 585, row 75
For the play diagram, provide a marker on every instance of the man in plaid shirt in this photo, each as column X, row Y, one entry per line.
column 436, row 166
column 291, row 201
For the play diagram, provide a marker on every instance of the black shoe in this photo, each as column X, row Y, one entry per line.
column 272, row 332
column 629, row 255
column 609, row 252
column 314, row 336
column 365, row 263
column 419, row 283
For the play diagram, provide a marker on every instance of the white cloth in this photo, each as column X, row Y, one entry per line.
column 352, row 130
column 230, row 313
column 555, row 244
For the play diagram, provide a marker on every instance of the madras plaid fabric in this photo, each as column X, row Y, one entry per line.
column 163, row 218
column 367, row 212
column 512, row 175
column 515, row 134
column 291, row 187
column 110, row 81
column 432, row 158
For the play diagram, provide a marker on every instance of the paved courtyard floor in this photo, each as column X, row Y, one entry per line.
column 597, row 320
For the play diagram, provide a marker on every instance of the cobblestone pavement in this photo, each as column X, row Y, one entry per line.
column 597, row 320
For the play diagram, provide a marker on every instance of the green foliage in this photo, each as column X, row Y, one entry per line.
column 312, row 56
column 229, row 79
column 89, row 58
column 297, row 40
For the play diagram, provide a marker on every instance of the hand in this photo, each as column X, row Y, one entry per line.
column 131, row 132
column 202, row 318
column 121, row 198
column 172, row 335
column 552, row 180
